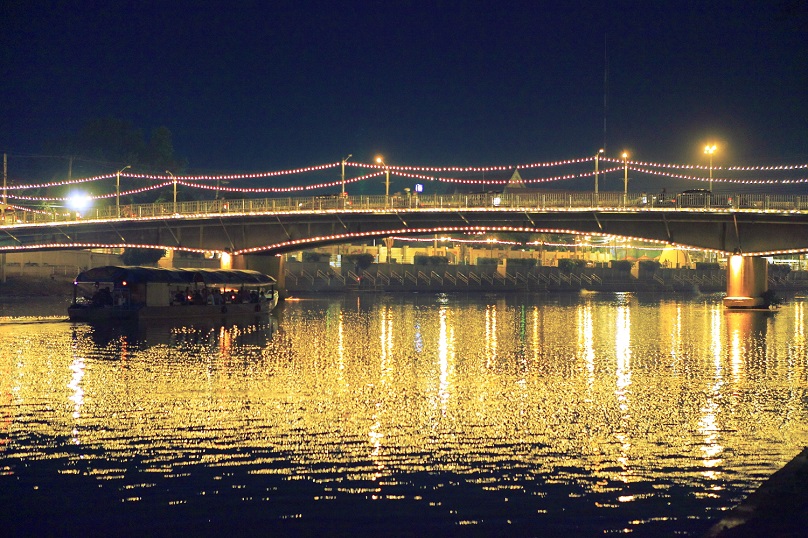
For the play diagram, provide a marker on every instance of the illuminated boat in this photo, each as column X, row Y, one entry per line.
column 131, row 293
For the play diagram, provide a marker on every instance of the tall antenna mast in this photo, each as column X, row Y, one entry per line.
column 605, row 85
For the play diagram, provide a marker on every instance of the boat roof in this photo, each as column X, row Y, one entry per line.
column 138, row 274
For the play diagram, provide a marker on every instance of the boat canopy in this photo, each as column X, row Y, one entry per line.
column 138, row 275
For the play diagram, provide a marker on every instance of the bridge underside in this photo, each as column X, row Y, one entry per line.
column 272, row 233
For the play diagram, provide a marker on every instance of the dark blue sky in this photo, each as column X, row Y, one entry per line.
column 248, row 86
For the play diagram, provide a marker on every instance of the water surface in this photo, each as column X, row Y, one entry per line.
column 402, row 415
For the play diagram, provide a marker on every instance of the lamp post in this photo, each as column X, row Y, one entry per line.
column 4, row 204
column 709, row 150
column 175, row 190
column 597, row 156
column 345, row 160
column 118, row 190
column 625, row 175
column 380, row 160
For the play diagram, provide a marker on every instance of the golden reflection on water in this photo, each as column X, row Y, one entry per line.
column 605, row 395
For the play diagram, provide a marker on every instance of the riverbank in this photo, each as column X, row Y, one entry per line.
column 37, row 286
column 58, row 285
column 779, row 507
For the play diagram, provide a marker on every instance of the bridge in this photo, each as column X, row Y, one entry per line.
column 752, row 225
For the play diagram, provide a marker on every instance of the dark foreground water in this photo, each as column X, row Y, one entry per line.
column 540, row 415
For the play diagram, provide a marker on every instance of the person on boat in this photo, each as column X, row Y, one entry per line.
column 102, row 297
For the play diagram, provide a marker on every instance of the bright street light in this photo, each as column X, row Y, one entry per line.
column 597, row 155
column 118, row 190
column 625, row 173
column 79, row 201
column 709, row 150
column 380, row 160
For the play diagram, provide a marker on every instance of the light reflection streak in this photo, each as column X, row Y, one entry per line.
column 623, row 383
column 376, row 434
column 341, row 346
column 491, row 334
column 735, row 322
column 386, row 337
column 585, row 341
column 798, row 347
column 709, row 427
column 676, row 335
column 77, row 396
column 715, row 334
column 536, row 335
column 445, row 355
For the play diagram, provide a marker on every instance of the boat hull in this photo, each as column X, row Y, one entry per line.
column 182, row 313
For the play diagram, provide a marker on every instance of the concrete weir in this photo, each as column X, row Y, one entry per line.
column 747, row 282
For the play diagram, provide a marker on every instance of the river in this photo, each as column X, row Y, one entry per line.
column 401, row 415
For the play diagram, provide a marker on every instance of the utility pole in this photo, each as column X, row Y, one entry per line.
column 5, row 179
column 345, row 160
column 3, row 216
column 597, row 156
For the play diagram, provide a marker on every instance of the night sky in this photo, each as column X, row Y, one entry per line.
column 257, row 86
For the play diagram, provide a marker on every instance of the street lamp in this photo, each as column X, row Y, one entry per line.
column 597, row 156
column 380, row 160
column 175, row 190
column 78, row 202
column 118, row 190
column 625, row 173
column 709, row 150
column 345, row 160
column 4, row 204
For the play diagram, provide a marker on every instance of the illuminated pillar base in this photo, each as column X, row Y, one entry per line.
column 167, row 261
column 747, row 282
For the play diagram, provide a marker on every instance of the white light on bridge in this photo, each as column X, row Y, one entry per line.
column 79, row 201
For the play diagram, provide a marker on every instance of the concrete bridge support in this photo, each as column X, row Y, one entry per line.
column 747, row 281
column 269, row 265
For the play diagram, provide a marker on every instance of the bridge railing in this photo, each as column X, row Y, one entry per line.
column 412, row 202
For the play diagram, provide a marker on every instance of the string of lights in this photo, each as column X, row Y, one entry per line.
column 470, row 169
column 775, row 168
column 721, row 180
column 294, row 244
column 78, row 245
column 495, row 241
column 279, row 189
column 92, row 197
column 455, row 240
column 502, row 181
column 417, row 172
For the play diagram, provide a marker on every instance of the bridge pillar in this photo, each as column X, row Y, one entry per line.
column 273, row 266
column 167, row 261
column 747, row 281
